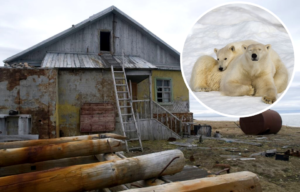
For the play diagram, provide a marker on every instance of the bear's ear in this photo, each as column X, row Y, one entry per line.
column 268, row 46
column 232, row 48
column 216, row 50
column 244, row 47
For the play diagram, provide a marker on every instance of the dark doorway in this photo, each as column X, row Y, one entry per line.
column 104, row 41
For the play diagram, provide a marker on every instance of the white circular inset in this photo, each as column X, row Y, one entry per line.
column 225, row 24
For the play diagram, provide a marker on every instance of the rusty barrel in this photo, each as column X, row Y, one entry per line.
column 268, row 122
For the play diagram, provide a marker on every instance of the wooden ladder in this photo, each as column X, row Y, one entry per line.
column 120, row 76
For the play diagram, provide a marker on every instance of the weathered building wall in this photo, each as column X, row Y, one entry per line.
column 143, row 90
column 180, row 93
column 31, row 91
column 79, row 86
column 127, row 38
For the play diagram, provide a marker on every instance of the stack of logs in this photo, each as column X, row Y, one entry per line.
column 92, row 162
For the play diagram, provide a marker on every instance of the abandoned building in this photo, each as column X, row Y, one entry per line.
column 107, row 73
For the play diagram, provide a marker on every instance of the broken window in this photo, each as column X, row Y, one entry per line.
column 104, row 41
column 163, row 90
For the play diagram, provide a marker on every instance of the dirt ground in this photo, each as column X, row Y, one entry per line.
column 275, row 175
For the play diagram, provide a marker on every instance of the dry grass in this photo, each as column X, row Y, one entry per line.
column 275, row 176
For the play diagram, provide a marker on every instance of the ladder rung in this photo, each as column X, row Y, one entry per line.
column 125, row 106
column 120, row 84
column 119, row 71
column 122, row 91
column 127, row 114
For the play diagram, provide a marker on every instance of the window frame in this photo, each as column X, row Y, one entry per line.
column 110, row 40
column 171, row 91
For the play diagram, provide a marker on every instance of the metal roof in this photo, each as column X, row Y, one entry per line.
column 92, row 18
column 75, row 60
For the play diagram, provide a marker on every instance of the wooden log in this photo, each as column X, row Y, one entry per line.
column 44, row 165
column 137, row 184
column 19, row 144
column 58, row 151
column 238, row 182
column 96, row 175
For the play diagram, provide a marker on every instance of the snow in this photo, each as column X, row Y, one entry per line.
column 227, row 24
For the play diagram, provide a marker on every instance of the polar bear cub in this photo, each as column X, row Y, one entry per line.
column 251, row 74
column 205, row 75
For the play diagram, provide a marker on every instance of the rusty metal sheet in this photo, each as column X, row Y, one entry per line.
column 97, row 117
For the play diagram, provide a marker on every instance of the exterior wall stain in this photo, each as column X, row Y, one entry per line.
column 30, row 91
column 76, row 87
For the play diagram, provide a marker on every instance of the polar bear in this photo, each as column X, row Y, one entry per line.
column 226, row 54
column 251, row 74
column 205, row 75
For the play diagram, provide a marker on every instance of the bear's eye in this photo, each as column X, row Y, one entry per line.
column 218, row 59
column 259, row 49
column 225, row 59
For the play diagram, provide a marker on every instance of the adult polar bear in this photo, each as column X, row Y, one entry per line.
column 233, row 50
column 252, row 73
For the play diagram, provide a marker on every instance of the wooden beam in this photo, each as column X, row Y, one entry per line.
column 19, row 144
column 44, row 165
column 238, row 182
column 96, row 175
column 58, row 151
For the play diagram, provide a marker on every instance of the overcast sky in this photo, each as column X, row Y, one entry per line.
column 26, row 23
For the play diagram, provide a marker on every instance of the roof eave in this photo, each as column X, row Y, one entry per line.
column 87, row 21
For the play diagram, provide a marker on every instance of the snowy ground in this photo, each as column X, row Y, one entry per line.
column 227, row 24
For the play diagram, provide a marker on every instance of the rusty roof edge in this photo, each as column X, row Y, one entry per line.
column 83, row 23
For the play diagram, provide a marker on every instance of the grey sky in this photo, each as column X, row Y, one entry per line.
column 25, row 23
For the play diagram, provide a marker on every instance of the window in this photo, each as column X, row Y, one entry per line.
column 104, row 41
column 163, row 90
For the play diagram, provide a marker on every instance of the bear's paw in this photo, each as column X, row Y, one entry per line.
column 268, row 100
column 251, row 90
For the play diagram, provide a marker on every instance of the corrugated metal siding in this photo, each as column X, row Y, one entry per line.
column 69, row 60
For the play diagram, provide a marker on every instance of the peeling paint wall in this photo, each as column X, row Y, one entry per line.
column 31, row 91
column 180, row 93
column 54, row 97
column 76, row 87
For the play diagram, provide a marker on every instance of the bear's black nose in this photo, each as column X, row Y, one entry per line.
column 220, row 68
column 254, row 56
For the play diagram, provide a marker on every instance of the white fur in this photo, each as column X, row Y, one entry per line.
column 247, row 77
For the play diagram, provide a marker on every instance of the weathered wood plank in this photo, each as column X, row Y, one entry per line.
column 40, row 142
column 58, row 151
column 97, row 118
column 96, row 175
column 238, row 182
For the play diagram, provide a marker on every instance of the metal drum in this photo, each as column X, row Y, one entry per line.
column 268, row 122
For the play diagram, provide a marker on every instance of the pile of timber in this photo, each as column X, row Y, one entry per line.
column 93, row 162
